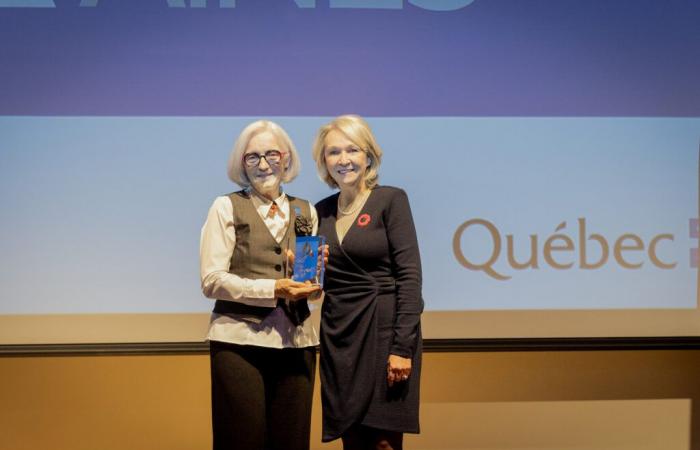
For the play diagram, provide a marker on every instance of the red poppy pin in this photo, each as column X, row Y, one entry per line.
column 364, row 220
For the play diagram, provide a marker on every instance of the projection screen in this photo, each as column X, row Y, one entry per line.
column 550, row 151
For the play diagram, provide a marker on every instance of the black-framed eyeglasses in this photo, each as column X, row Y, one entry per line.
column 273, row 157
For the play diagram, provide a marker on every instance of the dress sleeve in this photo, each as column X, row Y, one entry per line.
column 217, row 242
column 405, row 258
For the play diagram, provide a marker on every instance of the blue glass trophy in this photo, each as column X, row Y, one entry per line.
column 308, row 259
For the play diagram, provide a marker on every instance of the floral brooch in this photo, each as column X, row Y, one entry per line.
column 302, row 226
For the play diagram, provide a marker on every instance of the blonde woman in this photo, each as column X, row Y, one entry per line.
column 262, row 342
column 370, row 322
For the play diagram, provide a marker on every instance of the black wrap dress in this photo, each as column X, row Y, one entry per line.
column 371, row 309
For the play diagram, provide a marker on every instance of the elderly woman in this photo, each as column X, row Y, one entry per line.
column 260, row 336
column 370, row 322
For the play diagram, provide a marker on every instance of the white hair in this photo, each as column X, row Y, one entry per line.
column 236, row 168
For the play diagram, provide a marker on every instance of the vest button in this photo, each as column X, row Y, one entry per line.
column 278, row 250
column 278, row 268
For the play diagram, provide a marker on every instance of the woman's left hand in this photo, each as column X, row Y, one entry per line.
column 325, row 254
column 398, row 369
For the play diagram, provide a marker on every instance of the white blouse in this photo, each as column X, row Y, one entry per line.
column 218, row 240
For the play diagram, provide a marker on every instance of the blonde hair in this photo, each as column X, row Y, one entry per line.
column 235, row 168
column 358, row 131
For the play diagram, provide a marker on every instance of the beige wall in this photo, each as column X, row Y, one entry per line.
column 602, row 400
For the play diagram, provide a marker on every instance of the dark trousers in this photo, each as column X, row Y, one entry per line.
column 261, row 397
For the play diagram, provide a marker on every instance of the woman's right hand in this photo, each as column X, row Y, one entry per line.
column 289, row 289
